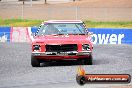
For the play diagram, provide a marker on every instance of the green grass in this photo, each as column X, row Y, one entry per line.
column 20, row 22
column 93, row 24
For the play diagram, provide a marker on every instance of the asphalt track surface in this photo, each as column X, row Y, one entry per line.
column 16, row 71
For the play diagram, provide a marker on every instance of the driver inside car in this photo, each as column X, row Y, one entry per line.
column 51, row 30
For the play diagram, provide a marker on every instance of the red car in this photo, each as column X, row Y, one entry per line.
column 62, row 40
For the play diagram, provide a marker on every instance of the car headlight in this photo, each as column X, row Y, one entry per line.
column 86, row 47
column 36, row 47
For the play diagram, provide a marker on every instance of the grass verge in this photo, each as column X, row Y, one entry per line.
column 91, row 24
column 19, row 22
column 95, row 24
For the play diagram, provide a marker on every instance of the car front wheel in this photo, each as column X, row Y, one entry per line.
column 88, row 61
column 34, row 62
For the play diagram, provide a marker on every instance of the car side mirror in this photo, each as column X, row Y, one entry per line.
column 90, row 33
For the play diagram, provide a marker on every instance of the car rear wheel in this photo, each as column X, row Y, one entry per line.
column 88, row 61
column 34, row 62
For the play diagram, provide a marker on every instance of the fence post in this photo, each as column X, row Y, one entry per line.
column 22, row 16
column 76, row 14
column 45, row 2
column 50, row 13
column 31, row 3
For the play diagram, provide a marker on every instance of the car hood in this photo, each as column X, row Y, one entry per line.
column 63, row 39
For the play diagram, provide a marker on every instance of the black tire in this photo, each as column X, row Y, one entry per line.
column 88, row 61
column 34, row 62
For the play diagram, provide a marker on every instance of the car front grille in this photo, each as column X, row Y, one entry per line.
column 61, row 48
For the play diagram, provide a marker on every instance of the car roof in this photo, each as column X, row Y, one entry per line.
column 63, row 21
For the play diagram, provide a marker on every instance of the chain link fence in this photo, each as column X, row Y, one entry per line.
column 46, row 12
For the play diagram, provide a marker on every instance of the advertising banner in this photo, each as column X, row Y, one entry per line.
column 4, row 34
column 100, row 35
column 19, row 34
column 111, row 35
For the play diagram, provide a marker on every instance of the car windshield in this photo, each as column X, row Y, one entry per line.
column 61, row 28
